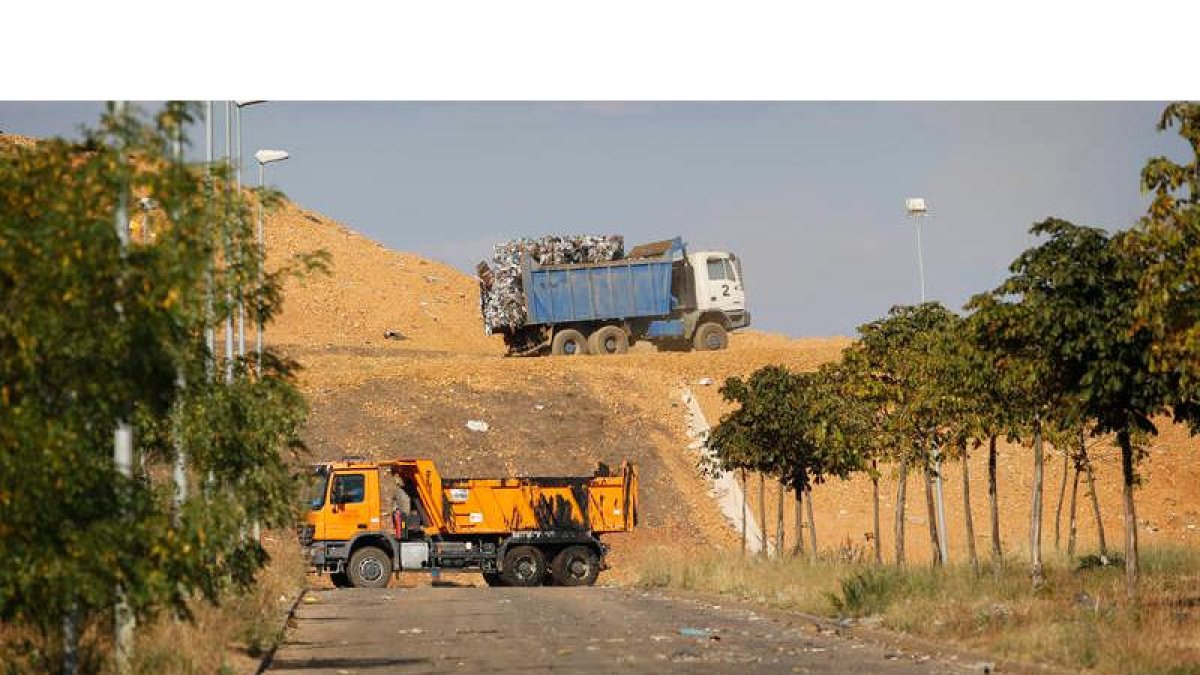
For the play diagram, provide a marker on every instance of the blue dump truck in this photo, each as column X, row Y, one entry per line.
column 657, row 292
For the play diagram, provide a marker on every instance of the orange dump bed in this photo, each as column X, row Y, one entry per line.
column 606, row 502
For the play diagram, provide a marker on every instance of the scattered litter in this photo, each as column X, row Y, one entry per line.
column 705, row 381
column 394, row 335
column 478, row 425
column 410, row 631
column 660, row 638
column 539, row 407
column 694, row 632
column 432, row 279
column 309, row 599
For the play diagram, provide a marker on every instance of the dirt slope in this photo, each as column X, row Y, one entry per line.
column 380, row 397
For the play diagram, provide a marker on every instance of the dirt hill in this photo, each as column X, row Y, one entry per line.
column 414, row 396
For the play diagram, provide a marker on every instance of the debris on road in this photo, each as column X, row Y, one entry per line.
column 478, row 425
column 705, row 381
column 394, row 335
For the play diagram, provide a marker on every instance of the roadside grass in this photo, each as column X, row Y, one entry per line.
column 1078, row 619
column 231, row 637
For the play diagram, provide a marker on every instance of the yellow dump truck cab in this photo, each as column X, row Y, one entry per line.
column 370, row 520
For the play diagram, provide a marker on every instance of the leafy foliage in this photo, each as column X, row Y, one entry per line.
column 93, row 331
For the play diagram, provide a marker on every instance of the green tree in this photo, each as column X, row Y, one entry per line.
column 93, row 331
column 1166, row 241
column 1067, row 312
column 894, row 357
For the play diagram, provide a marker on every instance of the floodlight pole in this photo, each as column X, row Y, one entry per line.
column 264, row 158
column 123, row 619
column 210, row 332
column 917, row 211
column 228, row 252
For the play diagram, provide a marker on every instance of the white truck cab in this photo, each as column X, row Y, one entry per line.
column 719, row 286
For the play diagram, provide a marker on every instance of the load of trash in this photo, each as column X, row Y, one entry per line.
column 501, row 296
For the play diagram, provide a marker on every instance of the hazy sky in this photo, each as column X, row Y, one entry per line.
column 810, row 195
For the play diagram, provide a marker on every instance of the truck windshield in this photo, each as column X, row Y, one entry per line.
column 318, row 483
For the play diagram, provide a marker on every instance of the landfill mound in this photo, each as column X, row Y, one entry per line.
column 373, row 297
column 503, row 300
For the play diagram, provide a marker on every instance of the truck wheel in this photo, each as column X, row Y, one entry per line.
column 523, row 566
column 568, row 342
column 340, row 580
column 710, row 337
column 609, row 340
column 493, row 579
column 576, row 566
column 369, row 567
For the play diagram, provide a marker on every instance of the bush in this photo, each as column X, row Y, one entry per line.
column 870, row 591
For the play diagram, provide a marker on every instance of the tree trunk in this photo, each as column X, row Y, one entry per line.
column 901, row 485
column 1131, row 543
column 745, row 508
column 1035, row 518
column 931, row 509
column 970, row 522
column 762, row 514
column 1062, row 493
column 812, row 526
column 993, row 502
column 798, row 549
column 1091, row 480
column 875, row 511
column 1072, row 523
column 779, row 527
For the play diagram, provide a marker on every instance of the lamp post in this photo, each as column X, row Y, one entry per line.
column 264, row 158
column 917, row 210
column 241, row 318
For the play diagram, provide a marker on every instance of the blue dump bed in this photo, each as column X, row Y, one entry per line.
column 621, row 289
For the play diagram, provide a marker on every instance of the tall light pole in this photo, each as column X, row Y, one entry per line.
column 264, row 158
column 210, row 332
column 237, row 172
column 917, row 210
column 228, row 250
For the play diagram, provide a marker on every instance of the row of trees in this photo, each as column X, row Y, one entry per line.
column 101, row 333
column 1091, row 335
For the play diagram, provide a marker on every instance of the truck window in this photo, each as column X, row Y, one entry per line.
column 716, row 269
column 317, row 488
column 737, row 268
column 352, row 485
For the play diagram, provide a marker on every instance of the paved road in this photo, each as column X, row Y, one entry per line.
column 596, row 630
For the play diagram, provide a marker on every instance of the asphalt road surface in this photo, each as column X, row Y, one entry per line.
column 594, row 630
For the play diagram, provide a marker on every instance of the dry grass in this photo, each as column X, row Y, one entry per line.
column 1079, row 619
column 234, row 636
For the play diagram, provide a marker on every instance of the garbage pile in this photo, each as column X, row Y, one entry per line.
column 502, row 300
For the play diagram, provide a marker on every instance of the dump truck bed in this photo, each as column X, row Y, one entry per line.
column 597, row 504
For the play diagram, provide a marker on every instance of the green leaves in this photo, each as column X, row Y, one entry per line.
column 90, row 332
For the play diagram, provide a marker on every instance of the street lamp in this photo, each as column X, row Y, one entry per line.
column 264, row 158
column 916, row 208
column 241, row 319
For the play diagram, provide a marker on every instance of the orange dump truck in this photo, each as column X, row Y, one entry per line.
column 369, row 520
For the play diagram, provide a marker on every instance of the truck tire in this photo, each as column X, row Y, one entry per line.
column 568, row 342
column 369, row 567
column 523, row 566
column 710, row 337
column 493, row 579
column 608, row 340
column 576, row 566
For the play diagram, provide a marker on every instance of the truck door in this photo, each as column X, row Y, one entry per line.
column 723, row 285
column 351, row 509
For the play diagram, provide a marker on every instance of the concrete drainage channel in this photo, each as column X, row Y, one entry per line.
column 724, row 486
